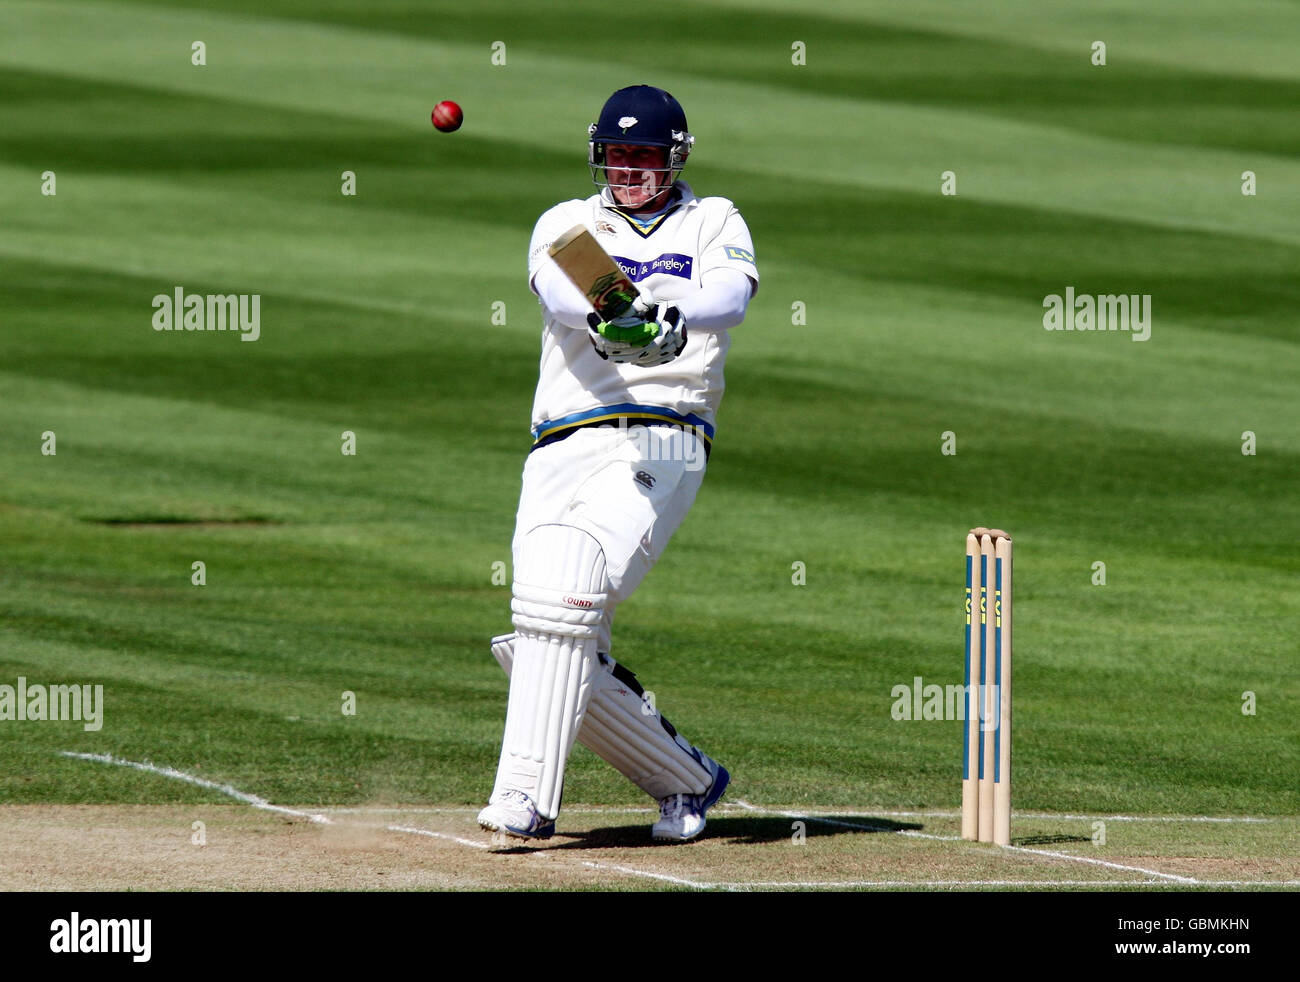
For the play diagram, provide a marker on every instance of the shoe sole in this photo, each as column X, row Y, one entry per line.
column 716, row 791
column 501, row 834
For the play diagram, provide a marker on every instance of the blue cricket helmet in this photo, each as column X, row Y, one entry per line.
column 640, row 115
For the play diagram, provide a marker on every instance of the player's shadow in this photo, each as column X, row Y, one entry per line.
column 740, row 830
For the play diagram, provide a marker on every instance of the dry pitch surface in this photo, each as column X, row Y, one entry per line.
column 121, row 847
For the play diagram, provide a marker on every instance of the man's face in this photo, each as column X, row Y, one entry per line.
column 638, row 176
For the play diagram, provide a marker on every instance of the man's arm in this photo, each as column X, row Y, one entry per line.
column 560, row 297
column 563, row 301
column 729, row 275
column 720, row 302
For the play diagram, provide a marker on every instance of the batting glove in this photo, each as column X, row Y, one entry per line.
column 669, row 339
column 621, row 339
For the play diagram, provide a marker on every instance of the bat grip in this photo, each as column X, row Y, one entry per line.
column 615, row 305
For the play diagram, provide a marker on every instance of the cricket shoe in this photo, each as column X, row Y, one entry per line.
column 514, row 816
column 681, row 816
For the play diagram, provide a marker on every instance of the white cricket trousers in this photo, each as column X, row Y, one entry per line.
column 629, row 487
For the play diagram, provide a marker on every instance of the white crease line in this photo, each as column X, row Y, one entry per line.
column 949, row 838
column 171, row 772
column 654, row 876
column 1035, row 884
column 846, row 825
column 928, row 835
column 475, row 809
column 1148, row 818
column 628, row 870
column 262, row 803
column 728, row 806
column 1102, row 862
column 378, row 810
column 437, row 835
column 944, row 813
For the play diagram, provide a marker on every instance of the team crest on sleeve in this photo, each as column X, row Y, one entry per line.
column 735, row 252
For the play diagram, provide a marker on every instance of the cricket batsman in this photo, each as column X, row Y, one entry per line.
column 622, row 426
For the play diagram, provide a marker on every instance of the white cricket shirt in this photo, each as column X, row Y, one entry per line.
column 575, row 385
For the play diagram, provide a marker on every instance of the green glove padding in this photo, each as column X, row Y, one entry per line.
column 636, row 333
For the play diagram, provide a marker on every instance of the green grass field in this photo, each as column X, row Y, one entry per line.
column 373, row 573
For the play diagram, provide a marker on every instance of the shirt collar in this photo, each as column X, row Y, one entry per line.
column 682, row 195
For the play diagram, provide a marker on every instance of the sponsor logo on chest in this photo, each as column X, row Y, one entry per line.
column 669, row 263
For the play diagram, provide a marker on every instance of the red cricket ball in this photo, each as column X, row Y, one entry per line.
column 447, row 116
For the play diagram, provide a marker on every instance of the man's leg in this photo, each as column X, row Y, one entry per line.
column 560, row 589
column 632, row 505
column 624, row 728
column 636, row 517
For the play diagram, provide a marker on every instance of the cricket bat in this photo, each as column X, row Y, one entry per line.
column 594, row 273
